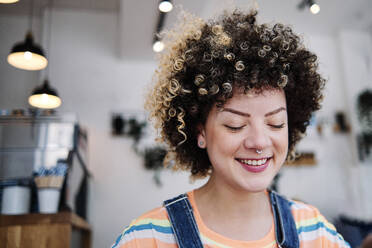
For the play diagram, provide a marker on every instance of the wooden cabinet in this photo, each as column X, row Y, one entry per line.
column 61, row 230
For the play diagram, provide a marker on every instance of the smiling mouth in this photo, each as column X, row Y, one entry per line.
column 253, row 162
column 254, row 165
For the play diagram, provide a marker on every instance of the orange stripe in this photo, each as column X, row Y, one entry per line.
column 147, row 242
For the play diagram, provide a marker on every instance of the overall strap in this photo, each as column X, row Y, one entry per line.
column 285, row 226
column 183, row 222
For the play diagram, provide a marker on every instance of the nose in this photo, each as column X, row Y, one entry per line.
column 257, row 138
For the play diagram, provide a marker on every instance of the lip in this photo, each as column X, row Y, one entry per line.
column 255, row 168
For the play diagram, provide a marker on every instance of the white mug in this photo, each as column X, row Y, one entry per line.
column 48, row 200
column 15, row 200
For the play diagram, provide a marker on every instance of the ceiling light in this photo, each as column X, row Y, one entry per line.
column 158, row 46
column 27, row 55
column 8, row 1
column 309, row 4
column 165, row 6
column 44, row 97
column 315, row 8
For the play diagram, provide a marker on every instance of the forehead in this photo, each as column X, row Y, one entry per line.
column 266, row 99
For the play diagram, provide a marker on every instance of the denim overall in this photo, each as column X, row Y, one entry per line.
column 187, row 234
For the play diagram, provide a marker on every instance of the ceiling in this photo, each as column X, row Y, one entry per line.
column 23, row 6
column 137, row 18
column 334, row 16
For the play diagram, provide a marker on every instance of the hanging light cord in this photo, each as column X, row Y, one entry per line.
column 49, row 35
column 255, row 5
column 30, row 17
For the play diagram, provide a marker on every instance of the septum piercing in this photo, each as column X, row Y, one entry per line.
column 258, row 151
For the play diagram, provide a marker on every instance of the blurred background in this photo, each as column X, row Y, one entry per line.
column 100, row 60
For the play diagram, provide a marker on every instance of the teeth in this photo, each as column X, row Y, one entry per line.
column 254, row 162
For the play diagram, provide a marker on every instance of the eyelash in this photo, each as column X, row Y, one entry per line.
column 234, row 129
column 238, row 128
column 277, row 126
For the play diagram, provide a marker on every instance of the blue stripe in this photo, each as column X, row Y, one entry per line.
column 320, row 225
column 315, row 227
column 117, row 241
column 161, row 229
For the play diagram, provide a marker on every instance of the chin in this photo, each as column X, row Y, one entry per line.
column 256, row 187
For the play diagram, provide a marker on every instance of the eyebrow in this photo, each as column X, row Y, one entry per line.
column 248, row 115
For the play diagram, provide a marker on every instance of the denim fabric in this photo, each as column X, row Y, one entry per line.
column 183, row 222
column 285, row 226
column 187, row 234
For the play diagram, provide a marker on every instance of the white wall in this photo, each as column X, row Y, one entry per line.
column 93, row 82
column 356, row 54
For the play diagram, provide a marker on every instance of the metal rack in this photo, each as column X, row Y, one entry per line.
column 29, row 142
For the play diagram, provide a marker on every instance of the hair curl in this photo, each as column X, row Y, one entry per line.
column 205, row 61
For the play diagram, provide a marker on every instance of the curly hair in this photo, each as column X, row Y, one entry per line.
column 203, row 64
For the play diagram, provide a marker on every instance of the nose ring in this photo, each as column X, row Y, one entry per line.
column 258, row 151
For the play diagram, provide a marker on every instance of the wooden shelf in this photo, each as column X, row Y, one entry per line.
column 306, row 159
column 60, row 230
column 36, row 218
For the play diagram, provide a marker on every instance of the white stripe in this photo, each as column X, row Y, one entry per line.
column 166, row 205
column 321, row 232
column 300, row 205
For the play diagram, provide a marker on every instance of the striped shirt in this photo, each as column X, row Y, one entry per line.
column 153, row 229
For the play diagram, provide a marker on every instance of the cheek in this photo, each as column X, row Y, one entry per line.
column 221, row 143
column 281, row 141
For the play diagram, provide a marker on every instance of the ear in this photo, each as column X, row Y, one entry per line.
column 202, row 141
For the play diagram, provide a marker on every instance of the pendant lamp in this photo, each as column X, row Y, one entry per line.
column 27, row 55
column 44, row 97
column 8, row 1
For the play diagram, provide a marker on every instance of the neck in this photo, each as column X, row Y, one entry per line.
column 234, row 213
column 231, row 201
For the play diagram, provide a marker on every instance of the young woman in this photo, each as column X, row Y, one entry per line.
column 231, row 100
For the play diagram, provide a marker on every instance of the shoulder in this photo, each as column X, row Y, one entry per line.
column 313, row 228
column 148, row 230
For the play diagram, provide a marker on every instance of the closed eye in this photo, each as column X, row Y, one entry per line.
column 277, row 126
column 233, row 128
